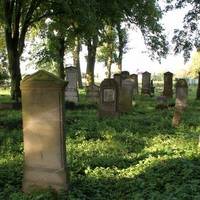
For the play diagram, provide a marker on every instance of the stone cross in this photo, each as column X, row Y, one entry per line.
column 108, row 98
column 43, row 130
column 146, row 83
column 71, row 91
column 168, row 85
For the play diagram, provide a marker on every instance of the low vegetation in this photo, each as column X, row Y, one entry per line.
column 137, row 156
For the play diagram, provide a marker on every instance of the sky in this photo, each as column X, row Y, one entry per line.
column 136, row 60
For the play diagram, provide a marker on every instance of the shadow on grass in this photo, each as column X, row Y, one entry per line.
column 167, row 179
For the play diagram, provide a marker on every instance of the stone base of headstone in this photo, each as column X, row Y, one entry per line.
column 35, row 178
column 177, row 118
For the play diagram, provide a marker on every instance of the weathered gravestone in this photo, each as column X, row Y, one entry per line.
column 181, row 101
column 126, row 95
column 117, row 78
column 135, row 80
column 92, row 94
column 124, row 75
column 108, row 98
column 146, row 83
column 198, row 88
column 71, row 91
column 168, row 85
column 43, row 129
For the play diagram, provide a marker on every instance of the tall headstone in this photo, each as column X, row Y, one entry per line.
column 71, row 91
column 135, row 80
column 126, row 95
column 43, row 130
column 146, row 83
column 181, row 101
column 168, row 85
column 92, row 94
column 108, row 98
column 198, row 88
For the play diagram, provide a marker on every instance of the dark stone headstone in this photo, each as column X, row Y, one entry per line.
column 92, row 94
column 168, row 85
column 146, row 83
column 135, row 80
column 108, row 98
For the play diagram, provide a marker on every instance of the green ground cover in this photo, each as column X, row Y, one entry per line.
column 137, row 156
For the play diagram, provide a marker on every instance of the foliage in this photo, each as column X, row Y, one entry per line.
column 187, row 38
column 137, row 156
column 195, row 65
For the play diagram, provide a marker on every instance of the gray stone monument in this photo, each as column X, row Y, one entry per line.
column 168, row 85
column 126, row 95
column 181, row 101
column 71, row 91
column 43, row 130
column 146, row 83
column 135, row 80
column 92, row 94
column 108, row 98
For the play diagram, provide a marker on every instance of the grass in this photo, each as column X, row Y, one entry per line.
column 137, row 156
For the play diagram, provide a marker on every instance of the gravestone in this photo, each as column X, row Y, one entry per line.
column 126, row 95
column 117, row 78
column 162, row 102
column 92, row 94
column 124, row 75
column 135, row 80
column 146, row 83
column 168, row 85
column 181, row 101
column 108, row 98
column 71, row 91
column 43, row 130
column 152, row 88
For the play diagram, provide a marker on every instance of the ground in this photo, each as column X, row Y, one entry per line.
column 137, row 156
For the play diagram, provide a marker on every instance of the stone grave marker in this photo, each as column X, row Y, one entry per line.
column 71, row 91
column 124, row 75
column 92, row 94
column 108, row 98
column 117, row 78
column 168, row 85
column 126, row 95
column 135, row 80
column 43, row 131
column 146, row 83
column 181, row 101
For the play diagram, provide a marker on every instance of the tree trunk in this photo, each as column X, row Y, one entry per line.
column 198, row 88
column 61, row 51
column 109, row 65
column 13, row 65
column 120, row 47
column 76, row 60
column 91, row 46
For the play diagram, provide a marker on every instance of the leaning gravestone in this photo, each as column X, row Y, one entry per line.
column 135, row 80
column 126, row 95
column 108, row 98
column 181, row 101
column 43, row 129
column 71, row 91
column 92, row 94
column 168, row 85
column 146, row 83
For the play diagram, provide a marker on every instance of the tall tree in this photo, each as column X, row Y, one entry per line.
column 17, row 16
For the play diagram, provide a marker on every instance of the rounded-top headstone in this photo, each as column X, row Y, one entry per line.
column 181, row 83
column 124, row 75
